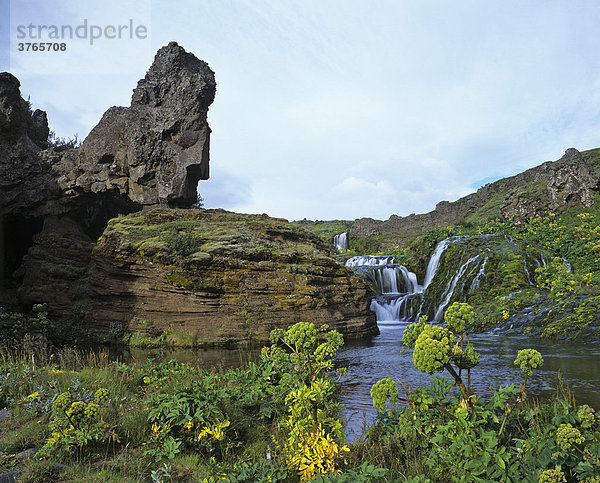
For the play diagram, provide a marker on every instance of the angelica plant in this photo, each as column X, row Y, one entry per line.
column 527, row 360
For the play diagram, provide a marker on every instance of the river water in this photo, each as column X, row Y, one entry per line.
column 367, row 361
column 372, row 359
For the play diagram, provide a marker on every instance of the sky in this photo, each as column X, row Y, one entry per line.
column 340, row 109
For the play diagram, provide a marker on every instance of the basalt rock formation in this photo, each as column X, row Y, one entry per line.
column 553, row 186
column 179, row 276
column 152, row 153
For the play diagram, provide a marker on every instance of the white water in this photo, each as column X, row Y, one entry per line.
column 370, row 261
column 447, row 295
column 401, row 297
column 340, row 242
column 434, row 261
column 477, row 280
column 396, row 286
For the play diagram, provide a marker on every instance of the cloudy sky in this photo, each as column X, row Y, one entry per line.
column 340, row 108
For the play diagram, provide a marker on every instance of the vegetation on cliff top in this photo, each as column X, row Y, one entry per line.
column 187, row 237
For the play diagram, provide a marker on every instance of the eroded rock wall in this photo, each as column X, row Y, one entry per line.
column 553, row 186
column 213, row 277
column 155, row 151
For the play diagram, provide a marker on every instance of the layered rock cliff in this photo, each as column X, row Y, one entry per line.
column 206, row 277
column 553, row 186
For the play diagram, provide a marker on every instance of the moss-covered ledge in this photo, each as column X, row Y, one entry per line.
column 211, row 277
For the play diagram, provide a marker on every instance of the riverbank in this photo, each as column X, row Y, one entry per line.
column 173, row 421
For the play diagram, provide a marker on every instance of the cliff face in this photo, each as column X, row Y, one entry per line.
column 205, row 277
column 149, row 154
column 553, row 186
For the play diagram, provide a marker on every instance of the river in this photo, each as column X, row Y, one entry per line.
column 368, row 361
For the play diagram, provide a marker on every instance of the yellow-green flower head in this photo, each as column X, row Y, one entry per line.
column 587, row 416
column 91, row 410
column 59, row 424
column 568, row 436
column 77, row 410
column 552, row 476
column 101, row 395
column 458, row 316
column 382, row 391
column 302, row 335
column 433, row 348
column 62, row 401
column 528, row 359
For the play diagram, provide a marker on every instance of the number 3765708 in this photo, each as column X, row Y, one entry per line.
column 41, row 47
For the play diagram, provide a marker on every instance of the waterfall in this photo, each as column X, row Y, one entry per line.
column 459, row 267
column 477, row 280
column 434, row 261
column 449, row 291
column 399, row 295
column 340, row 242
column 394, row 308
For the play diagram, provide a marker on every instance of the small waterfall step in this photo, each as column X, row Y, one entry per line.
column 340, row 242
column 399, row 295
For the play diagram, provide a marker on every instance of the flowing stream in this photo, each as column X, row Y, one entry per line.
column 401, row 300
column 369, row 361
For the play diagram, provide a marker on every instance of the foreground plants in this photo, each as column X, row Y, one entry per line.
column 276, row 419
column 447, row 436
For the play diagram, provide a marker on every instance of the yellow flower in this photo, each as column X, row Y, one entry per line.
column 217, row 430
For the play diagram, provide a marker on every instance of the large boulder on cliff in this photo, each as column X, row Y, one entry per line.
column 151, row 153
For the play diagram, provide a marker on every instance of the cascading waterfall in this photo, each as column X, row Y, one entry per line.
column 466, row 268
column 399, row 295
column 451, row 274
column 434, row 261
column 340, row 242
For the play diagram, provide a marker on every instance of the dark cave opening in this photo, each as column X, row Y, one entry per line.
column 16, row 237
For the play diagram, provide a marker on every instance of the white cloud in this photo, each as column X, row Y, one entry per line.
column 344, row 109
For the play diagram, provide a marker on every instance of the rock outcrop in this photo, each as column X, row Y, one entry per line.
column 155, row 151
column 152, row 153
column 26, row 182
column 214, row 277
column 184, row 277
column 553, row 186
